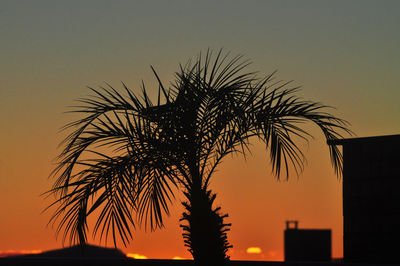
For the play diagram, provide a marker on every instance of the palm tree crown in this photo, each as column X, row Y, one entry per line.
column 128, row 155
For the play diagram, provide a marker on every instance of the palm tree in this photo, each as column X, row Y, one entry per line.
column 128, row 156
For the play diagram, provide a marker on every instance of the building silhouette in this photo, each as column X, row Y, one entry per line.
column 371, row 199
column 307, row 244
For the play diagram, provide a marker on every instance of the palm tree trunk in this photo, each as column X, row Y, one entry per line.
column 205, row 231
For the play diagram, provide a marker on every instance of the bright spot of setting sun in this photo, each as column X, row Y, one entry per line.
column 136, row 256
column 177, row 258
column 253, row 250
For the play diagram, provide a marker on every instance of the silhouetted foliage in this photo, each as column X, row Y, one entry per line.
column 128, row 156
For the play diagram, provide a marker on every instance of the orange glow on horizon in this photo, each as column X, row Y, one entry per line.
column 178, row 258
column 136, row 256
column 12, row 252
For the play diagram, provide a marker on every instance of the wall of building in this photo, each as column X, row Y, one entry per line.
column 371, row 200
column 307, row 244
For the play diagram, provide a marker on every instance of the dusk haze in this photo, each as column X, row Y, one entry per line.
column 342, row 54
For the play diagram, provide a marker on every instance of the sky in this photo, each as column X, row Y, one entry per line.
column 343, row 53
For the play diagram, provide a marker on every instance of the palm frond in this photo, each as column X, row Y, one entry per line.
column 116, row 183
column 127, row 154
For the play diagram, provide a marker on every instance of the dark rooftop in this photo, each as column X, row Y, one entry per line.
column 387, row 138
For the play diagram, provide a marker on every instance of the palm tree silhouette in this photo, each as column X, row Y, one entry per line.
column 128, row 156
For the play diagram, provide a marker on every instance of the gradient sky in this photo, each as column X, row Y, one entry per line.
column 343, row 53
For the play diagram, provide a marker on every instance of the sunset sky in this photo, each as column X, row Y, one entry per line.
column 343, row 53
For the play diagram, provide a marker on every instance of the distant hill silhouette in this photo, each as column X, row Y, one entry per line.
column 87, row 255
column 86, row 251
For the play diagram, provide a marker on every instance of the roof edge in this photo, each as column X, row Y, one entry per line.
column 384, row 138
